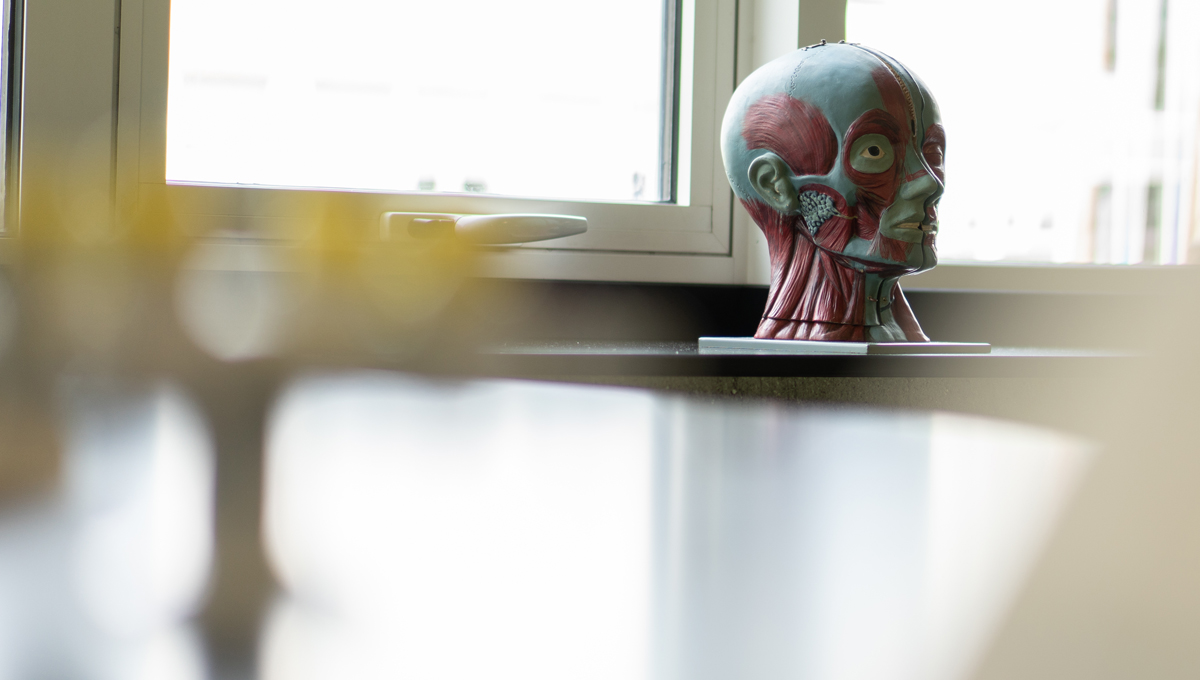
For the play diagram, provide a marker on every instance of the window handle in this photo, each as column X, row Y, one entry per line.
column 480, row 229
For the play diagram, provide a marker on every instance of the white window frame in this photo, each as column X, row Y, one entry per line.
column 697, row 227
column 73, row 102
column 85, row 134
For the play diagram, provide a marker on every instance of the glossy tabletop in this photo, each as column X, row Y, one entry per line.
column 434, row 529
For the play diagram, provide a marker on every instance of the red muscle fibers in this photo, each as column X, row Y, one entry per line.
column 814, row 294
column 812, row 297
column 794, row 130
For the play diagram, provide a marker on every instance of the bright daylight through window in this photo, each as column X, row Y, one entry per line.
column 535, row 98
column 1071, row 125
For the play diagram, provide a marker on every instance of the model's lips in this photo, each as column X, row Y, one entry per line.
column 918, row 226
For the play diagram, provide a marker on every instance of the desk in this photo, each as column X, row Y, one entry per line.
column 501, row 528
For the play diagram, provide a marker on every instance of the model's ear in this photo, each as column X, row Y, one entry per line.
column 772, row 181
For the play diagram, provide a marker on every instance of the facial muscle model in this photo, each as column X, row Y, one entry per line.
column 836, row 152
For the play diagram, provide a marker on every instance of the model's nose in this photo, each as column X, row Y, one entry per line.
column 920, row 188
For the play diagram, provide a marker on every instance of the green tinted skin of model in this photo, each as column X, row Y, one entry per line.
column 888, row 173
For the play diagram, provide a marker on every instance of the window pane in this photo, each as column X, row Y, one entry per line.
column 537, row 98
column 1071, row 125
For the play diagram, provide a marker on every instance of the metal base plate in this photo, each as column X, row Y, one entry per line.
column 716, row 345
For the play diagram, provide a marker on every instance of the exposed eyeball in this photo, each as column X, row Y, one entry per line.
column 872, row 153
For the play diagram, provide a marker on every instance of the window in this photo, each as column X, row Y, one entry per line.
column 1071, row 138
column 77, row 128
column 628, row 236
column 525, row 98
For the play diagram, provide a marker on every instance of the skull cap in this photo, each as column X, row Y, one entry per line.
column 836, row 78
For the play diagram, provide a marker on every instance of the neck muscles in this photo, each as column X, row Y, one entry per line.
column 814, row 297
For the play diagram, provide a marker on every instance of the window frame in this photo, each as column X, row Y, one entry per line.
column 621, row 236
column 83, row 132
column 13, row 58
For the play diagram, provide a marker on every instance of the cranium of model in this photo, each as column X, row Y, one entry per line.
column 836, row 152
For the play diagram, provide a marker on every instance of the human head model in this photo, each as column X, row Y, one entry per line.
column 836, row 152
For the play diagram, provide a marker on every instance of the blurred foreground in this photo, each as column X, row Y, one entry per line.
column 225, row 459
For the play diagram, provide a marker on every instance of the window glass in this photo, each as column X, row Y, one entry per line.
column 1071, row 124
column 538, row 98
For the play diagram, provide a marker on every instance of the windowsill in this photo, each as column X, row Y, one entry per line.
column 1026, row 277
column 566, row 359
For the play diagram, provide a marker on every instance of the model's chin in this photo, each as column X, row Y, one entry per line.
column 929, row 257
column 921, row 258
column 907, row 257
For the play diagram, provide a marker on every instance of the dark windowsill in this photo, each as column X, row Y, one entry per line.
column 559, row 359
column 557, row 329
column 554, row 311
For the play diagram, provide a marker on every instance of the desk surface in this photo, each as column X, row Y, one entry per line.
column 499, row 528
column 562, row 531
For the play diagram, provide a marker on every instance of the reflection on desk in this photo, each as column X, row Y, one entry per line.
column 511, row 529
column 515, row 529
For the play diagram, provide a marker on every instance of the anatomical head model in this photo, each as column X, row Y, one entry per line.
column 836, row 151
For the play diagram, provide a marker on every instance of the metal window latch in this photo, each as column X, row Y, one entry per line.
column 480, row 229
